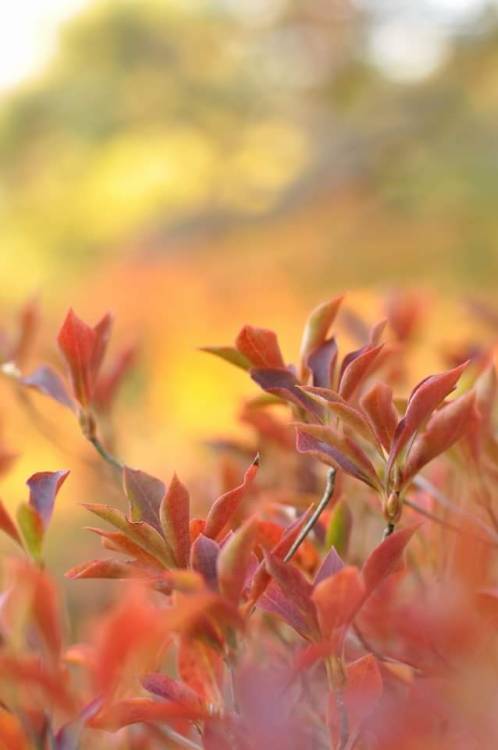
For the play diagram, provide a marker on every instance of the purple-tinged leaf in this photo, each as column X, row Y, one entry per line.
column 145, row 494
column 283, row 383
column 337, row 451
column 170, row 689
column 295, row 588
column 43, row 489
column 203, row 559
column 331, row 564
column 322, row 362
column 46, row 381
column 274, row 601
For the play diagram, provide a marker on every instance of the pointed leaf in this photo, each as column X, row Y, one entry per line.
column 339, row 451
column 32, row 529
column 8, row 526
column 357, row 369
column 229, row 354
column 145, row 494
column 283, row 383
column 260, row 347
column 174, row 515
column 378, row 404
column 109, row 568
column 46, row 381
column 425, row 397
column 444, row 428
column 43, row 489
column 386, row 558
column 338, row 598
column 322, row 362
column 348, row 415
column 203, row 558
column 331, row 564
column 318, row 325
column 170, row 689
column 275, row 602
column 140, row 532
column 233, row 560
column 295, row 588
column 363, row 689
column 77, row 341
column 225, row 507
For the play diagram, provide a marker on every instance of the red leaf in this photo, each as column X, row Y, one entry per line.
column 295, row 588
column 378, row 404
column 338, row 598
column 78, row 341
column 386, row 558
column 43, row 489
column 444, row 428
column 102, row 569
column 145, row 494
column 356, row 370
column 108, row 384
column 102, row 333
column 233, row 560
column 225, row 507
column 174, row 515
column 260, row 346
column 8, row 526
column 425, row 397
column 200, row 669
column 261, row 576
column 46, row 381
column 140, row 710
column 363, row 690
column 277, row 603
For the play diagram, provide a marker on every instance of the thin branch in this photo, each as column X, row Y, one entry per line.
column 104, row 453
column 328, row 492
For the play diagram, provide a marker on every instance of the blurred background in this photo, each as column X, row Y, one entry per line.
column 193, row 165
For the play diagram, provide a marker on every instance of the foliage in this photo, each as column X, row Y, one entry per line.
column 244, row 627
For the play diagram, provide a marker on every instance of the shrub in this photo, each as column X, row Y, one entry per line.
column 360, row 616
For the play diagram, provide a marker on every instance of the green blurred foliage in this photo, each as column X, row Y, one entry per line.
column 163, row 119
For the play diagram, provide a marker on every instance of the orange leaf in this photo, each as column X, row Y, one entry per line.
column 260, row 346
column 174, row 515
